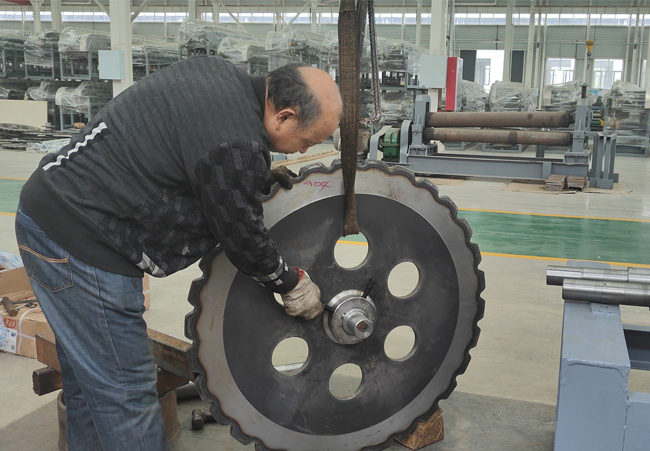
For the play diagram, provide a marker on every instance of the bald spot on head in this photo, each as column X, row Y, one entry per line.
column 325, row 91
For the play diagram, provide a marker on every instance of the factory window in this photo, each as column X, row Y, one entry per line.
column 388, row 18
column 245, row 17
column 610, row 19
column 473, row 19
column 262, row 17
column 329, row 18
column 16, row 15
column 521, row 19
column 559, row 70
column 606, row 72
column 552, row 19
column 176, row 17
column 482, row 75
column 302, row 17
column 146, row 17
column 492, row 19
column 410, row 18
column 225, row 17
column 580, row 19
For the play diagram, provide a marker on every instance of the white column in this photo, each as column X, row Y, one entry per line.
column 542, row 64
column 418, row 24
column 192, row 9
column 57, row 22
column 437, row 43
column 451, row 48
column 530, row 49
column 639, row 65
column 507, row 53
column 647, row 75
column 587, row 58
column 438, row 30
column 121, row 40
column 36, row 6
column 314, row 16
column 215, row 11
column 538, row 58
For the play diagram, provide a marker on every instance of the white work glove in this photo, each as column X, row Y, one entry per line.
column 304, row 300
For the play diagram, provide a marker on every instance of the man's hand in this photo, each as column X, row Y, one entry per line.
column 304, row 300
column 281, row 175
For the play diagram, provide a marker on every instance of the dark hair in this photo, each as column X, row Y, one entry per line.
column 287, row 89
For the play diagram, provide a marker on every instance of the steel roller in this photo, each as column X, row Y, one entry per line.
column 555, row 275
column 236, row 324
column 500, row 119
column 498, row 136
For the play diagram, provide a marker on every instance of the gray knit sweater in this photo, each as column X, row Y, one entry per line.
column 167, row 170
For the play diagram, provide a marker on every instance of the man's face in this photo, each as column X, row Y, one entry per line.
column 288, row 138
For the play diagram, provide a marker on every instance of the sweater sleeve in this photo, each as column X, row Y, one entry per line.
column 228, row 180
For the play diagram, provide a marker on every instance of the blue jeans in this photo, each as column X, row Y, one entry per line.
column 107, row 369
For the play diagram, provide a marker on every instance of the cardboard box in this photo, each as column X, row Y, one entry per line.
column 22, row 328
column 30, row 320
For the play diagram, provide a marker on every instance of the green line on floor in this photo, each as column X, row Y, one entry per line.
column 9, row 192
column 511, row 233
column 555, row 237
column 560, row 237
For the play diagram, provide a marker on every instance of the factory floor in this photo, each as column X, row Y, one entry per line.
column 506, row 399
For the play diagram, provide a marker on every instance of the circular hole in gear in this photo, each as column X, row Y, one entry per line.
column 290, row 356
column 345, row 381
column 400, row 343
column 351, row 251
column 403, row 279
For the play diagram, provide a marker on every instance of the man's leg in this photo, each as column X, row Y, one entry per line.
column 97, row 320
column 81, row 429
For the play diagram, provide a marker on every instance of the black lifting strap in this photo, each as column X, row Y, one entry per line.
column 351, row 28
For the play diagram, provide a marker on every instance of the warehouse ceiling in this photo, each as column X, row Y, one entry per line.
column 632, row 6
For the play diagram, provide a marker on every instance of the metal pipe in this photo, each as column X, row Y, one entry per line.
column 537, row 119
column 555, row 275
column 614, row 293
column 498, row 136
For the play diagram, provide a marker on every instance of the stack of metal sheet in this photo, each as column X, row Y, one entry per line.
column 556, row 182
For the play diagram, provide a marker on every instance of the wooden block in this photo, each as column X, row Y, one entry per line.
column 46, row 380
column 426, row 432
column 169, row 353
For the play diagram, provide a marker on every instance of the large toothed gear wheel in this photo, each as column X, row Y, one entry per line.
column 237, row 325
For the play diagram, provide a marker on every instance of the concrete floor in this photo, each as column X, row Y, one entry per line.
column 506, row 398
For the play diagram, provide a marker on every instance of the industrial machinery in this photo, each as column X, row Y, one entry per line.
column 595, row 409
column 297, row 46
column 237, row 325
column 152, row 54
column 12, row 54
column 42, row 56
column 198, row 37
column 79, row 52
column 412, row 144
column 79, row 104
column 627, row 116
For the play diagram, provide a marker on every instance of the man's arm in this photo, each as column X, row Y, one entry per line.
column 228, row 180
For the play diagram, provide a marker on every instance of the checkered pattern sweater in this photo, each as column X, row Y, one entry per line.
column 167, row 170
